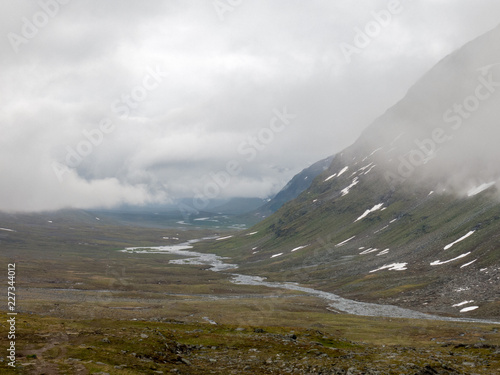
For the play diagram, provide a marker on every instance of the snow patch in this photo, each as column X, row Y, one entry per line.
column 438, row 262
column 480, row 189
column 462, row 303
column 346, row 190
column 381, row 229
column 470, row 308
column 276, row 255
column 432, row 192
column 202, row 219
column 392, row 267
column 383, row 252
column 369, row 170
column 330, row 177
column 7, row 230
column 467, row 264
column 251, row 234
column 459, row 240
column 365, row 167
column 299, row 248
column 377, row 150
column 223, row 238
column 342, row 171
column 209, row 320
column 392, row 221
column 368, row 251
column 367, row 212
column 344, row 242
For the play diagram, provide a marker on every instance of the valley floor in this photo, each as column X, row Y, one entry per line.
column 86, row 308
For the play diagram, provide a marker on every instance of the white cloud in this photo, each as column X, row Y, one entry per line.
column 222, row 82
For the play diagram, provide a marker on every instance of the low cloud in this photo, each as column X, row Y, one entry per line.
column 220, row 83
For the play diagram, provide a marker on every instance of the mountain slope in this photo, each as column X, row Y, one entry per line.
column 409, row 214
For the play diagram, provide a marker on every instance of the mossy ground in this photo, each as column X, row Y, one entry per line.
column 66, row 346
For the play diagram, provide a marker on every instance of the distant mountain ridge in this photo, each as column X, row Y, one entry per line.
column 299, row 183
column 410, row 213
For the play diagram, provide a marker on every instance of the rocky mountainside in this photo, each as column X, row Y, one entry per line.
column 410, row 213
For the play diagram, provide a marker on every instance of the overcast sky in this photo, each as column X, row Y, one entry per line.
column 121, row 101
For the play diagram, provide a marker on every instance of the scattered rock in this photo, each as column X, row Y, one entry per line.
column 185, row 361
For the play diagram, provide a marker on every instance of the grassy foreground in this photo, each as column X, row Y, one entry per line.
column 341, row 344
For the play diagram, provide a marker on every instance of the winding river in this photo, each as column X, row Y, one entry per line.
column 335, row 302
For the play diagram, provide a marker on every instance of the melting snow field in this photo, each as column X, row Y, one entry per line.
column 354, row 183
column 392, row 267
column 367, row 212
column 438, row 262
column 459, row 240
column 480, row 189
